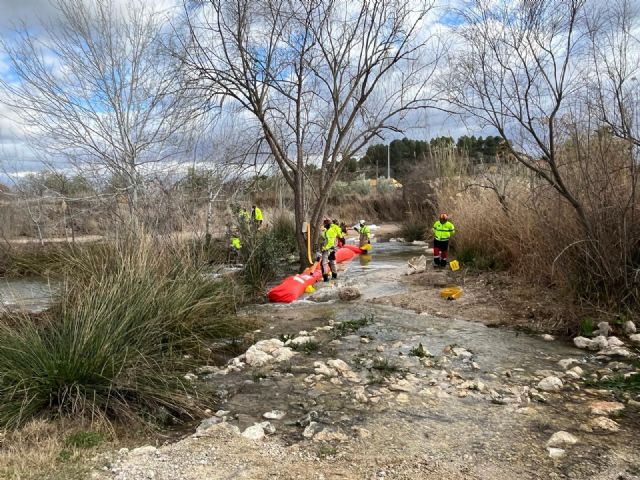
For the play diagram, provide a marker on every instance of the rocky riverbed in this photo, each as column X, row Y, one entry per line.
column 345, row 388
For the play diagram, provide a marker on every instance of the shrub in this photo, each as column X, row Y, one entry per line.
column 114, row 344
column 414, row 228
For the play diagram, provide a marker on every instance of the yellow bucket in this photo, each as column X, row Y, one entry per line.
column 454, row 265
column 366, row 247
column 451, row 293
column 309, row 289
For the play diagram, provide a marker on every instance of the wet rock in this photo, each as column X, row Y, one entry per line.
column 364, row 340
column 379, row 348
column 629, row 327
column 461, row 352
column 325, row 294
column 267, row 351
column 548, row 338
column 605, row 408
column 565, row 363
column 301, row 340
column 328, row 435
column 310, row 430
column 274, row 415
column 584, row 343
column 615, row 342
column 616, row 352
column 635, row 338
column 307, row 419
column 550, row 384
column 561, row 438
column 600, row 342
column 556, row 452
column 147, row 449
column 190, row 377
column 602, row 424
column 603, row 329
column 577, row 370
column 347, row 294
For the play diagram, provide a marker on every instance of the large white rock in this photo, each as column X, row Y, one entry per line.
column 600, row 342
column 550, row 384
column 302, row 340
column 583, row 342
column 257, row 431
column 256, row 357
column 561, row 438
column 274, row 415
column 615, row 352
column 339, row 365
column 283, row 354
column 635, row 338
column 603, row 424
column 615, row 342
column 629, row 327
column 416, row 265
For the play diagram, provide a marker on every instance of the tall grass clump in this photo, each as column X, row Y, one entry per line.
column 114, row 345
column 414, row 228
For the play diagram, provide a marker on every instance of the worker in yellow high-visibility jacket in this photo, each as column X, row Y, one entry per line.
column 256, row 217
column 442, row 230
column 329, row 236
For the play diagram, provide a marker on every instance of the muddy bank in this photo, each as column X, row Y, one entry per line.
column 364, row 390
column 493, row 298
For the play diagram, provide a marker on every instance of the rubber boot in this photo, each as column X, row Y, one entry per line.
column 436, row 262
column 325, row 277
column 334, row 275
column 443, row 262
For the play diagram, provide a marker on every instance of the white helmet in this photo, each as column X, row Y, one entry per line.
column 362, row 222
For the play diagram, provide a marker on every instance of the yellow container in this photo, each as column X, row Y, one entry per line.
column 366, row 247
column 451, row 293
column 309, row 289
column 454, row 265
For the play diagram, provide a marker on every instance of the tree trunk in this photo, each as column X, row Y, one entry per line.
column 299, row 213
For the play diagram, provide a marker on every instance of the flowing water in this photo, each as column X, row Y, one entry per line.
column 29, row 294
column 502, row 434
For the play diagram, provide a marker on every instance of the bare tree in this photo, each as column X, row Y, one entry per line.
column 519, row 70
column 93, row 88
column 319, row 78
column 615, row 87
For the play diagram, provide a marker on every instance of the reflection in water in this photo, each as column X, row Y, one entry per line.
column 365, row 259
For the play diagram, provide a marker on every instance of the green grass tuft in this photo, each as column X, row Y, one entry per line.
column 114, row 345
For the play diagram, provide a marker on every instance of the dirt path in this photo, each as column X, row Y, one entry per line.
column 369, row 390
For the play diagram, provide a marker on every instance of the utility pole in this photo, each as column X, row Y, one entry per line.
column 389, row 161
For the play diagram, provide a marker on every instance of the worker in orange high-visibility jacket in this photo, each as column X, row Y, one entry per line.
column 442, row 230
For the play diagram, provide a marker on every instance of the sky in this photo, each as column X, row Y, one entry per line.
column 18, row 158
